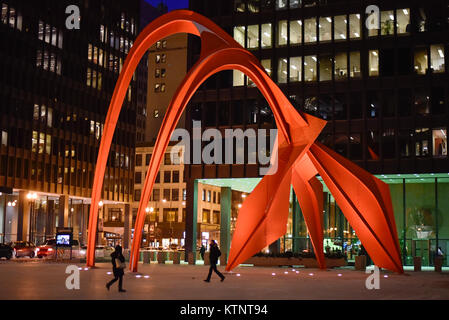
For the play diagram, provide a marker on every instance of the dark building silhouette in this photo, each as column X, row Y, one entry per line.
column 384, row 93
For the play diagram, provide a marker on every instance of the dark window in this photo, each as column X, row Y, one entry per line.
column 167, row 176
column 175, row 176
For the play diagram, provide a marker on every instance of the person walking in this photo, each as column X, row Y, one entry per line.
column 202, row 251
column 118, row 267
column 214, row 254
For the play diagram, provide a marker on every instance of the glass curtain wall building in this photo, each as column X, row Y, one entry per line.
column 383, row 91
column 55, row 88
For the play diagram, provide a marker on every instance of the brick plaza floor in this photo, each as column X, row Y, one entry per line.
column 40, row 280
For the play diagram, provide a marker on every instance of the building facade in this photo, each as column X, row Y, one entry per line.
column 382, row 89
column 166, row 210
column 55, row 88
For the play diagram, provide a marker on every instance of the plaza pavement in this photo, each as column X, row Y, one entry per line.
column 38, row 280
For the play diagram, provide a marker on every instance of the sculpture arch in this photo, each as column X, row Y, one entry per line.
column 262, row 218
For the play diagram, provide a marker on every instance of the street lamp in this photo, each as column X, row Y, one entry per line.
column 32, row 196
column 100, row 206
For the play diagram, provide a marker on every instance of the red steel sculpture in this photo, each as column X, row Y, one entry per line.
column 364, row 199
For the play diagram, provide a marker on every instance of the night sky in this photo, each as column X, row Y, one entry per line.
column 172, row 4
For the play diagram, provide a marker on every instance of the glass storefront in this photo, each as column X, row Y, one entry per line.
column 421, row 209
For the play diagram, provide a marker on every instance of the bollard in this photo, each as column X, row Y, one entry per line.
column 223, row 259
column 176, row 258
column 207, row 258
column 146, row 257
column 161, row 257
column 191, row 258
column 360, row 263
column 417, row 263
column 438, row 263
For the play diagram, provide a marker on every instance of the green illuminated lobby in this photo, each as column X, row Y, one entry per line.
column 421, row 209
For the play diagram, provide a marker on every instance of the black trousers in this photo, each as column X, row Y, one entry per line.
column 213, row 267
column 119, row 277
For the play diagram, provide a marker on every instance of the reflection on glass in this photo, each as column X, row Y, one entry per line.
column 373, row 63
column 325, row 28
column 325, row 68
column 387, row 22
column 340, row 27
column 266, row 63
column 282, row 33
column 420, row 60
column 421, row 102
column 282, row 70
column 422, row 137
column 437, row 58
column 239, row 35
column 354, row 60
column 354, row 26
column 403, row 24
column 295, row 69
column 238, row 78
column 266, row 35
column 295, row 32
column 341, row 66
column 281, row 4
column 253, row 36
column 310, row 68
column 239, row 6
column 439, row 139
column 253, row 5
column 310, row 30
column 294, row 4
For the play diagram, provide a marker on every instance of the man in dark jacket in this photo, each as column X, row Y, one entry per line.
column 214, row 254
column 117, row 260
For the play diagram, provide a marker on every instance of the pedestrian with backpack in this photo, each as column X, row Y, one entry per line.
column 118, row 268
column 214, row 254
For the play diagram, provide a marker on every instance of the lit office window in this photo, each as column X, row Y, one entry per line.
column 295, row 69
column 354, row 26
column 437, row 58
column 310, row 68
column 295, row 32
column 439, row 137
column 281, row 4
column 41, row 142
column 239, row 6
column 295, row 4
column 282, row 33
column 354, row 62
column 34, row 141
column 253, row 37
column 266, row 63
column 239, row 35
column 266, row 35
column 325, row 28
column 387, row 23
column 238, row 78
column 403, row 20
column 253, row 5
column 4, row 138
column 282, row 70
column 373, row 61
column 340, row 27
column 341, row 66
column 326, row 68
column 310, row 30
column 420, row 60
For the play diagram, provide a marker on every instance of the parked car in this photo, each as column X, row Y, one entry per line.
column 47, row 249
column 23, row 249
column 6, row 251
